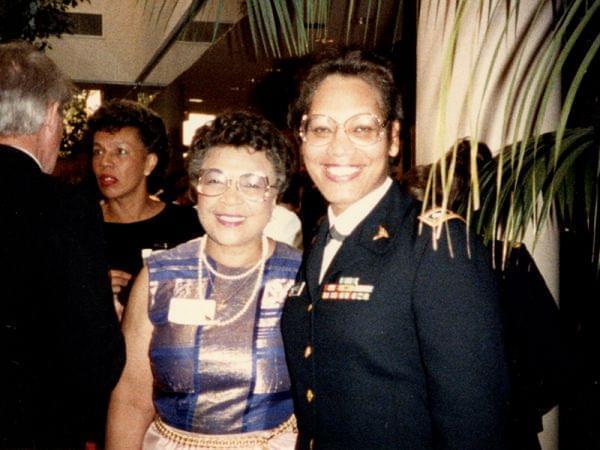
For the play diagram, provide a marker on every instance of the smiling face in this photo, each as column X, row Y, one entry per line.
column 230, row 220
column 121, row 163
column 343, row 171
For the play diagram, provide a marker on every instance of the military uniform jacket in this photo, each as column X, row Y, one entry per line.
column 400, row 346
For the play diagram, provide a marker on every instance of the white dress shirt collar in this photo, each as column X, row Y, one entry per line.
column 347, row 221
column 28, row 153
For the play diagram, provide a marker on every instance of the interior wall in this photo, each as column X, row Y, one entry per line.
column 459, row 99
column 455, row 97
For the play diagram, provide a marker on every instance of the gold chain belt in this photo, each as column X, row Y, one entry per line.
column 221, row 441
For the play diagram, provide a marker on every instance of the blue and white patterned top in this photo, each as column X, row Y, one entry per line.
column 220, row 379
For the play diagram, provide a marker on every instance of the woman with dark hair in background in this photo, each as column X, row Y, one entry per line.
column 129, row 155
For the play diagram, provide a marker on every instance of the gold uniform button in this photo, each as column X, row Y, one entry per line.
column 310, row 395
column 307, row 351
column 309, row 307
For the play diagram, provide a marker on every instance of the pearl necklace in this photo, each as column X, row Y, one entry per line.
column 259, row 277
column 214, row 271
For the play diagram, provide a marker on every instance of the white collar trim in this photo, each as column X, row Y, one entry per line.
column 28, row 153
column 348, row 220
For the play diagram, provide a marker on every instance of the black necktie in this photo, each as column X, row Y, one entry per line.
column 335, row 235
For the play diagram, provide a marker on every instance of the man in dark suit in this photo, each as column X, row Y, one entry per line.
column 61, row 347
column 391, row 343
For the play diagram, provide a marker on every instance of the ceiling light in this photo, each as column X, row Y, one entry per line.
column 195, row 100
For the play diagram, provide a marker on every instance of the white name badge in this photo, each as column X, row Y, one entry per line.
column 191, row 311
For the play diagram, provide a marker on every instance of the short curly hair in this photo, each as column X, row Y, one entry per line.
column 115, row 115
column 243, row 130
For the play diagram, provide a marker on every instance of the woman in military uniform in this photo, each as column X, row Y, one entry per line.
column 393, row 340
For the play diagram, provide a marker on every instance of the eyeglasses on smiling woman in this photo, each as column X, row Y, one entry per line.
column 252, row 186
column 362, row 129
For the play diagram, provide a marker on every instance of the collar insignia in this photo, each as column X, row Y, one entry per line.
column 381, row 233
column 438, row 216
column 297, row 289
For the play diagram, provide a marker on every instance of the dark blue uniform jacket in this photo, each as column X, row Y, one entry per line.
column 400, row 346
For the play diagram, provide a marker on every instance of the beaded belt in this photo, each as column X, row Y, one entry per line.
column 256, row 440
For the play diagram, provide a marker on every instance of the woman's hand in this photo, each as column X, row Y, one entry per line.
column 119, row 308
column 119, row 280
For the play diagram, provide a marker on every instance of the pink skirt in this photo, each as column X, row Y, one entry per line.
column 161, row 436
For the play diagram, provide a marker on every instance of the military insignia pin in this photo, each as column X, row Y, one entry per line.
column 296, row 289
column 381, row 234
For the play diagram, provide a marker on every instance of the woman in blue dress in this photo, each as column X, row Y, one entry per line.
column 205, row 362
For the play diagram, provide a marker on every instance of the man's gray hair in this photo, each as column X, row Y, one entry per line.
column 29, row 83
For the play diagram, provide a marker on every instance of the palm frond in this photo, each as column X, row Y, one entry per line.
column 366, row 31
column 539, row 177
column 217, row 21
column 349, row 20
column 561, row 181
column 398, row 22
column 376, row 28
column 298, row 24
column 286, row 22
column 158, row 10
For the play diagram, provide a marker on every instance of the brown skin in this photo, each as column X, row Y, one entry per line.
column 122, row 164
column 234, row 229
column 233, row 224
column 343, row 172
column 131, row 410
